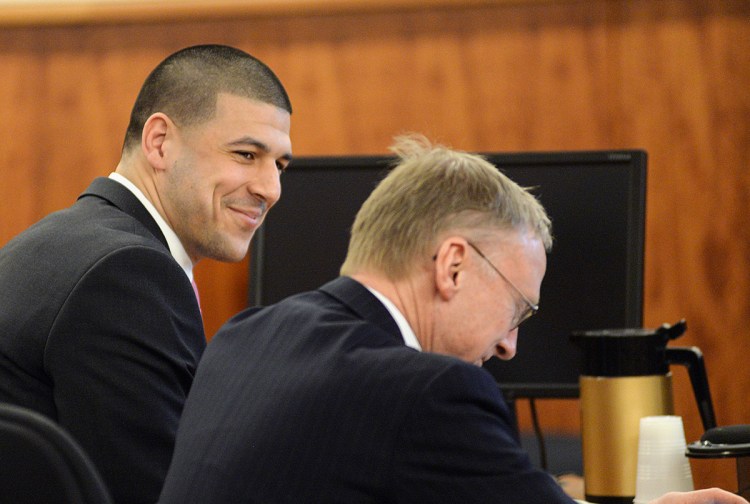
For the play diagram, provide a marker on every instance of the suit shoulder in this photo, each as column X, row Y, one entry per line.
column 88, row 228
column 449, row 375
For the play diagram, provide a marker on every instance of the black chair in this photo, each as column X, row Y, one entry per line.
column 41, row 463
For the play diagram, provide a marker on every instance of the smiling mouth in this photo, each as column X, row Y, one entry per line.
column 251, row 218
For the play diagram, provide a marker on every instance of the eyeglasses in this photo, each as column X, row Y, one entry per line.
column 531, row 308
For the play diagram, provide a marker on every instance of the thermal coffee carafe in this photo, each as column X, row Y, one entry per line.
column 625, row 376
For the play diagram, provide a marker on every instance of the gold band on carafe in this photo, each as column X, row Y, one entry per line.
column 611, row 409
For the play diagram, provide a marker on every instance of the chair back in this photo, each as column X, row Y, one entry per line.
column 41, row 463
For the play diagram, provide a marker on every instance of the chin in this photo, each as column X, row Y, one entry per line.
column 234, row 256
column 227, row 253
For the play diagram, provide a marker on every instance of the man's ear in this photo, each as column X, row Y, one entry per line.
column 156, row 131
column 450, row 261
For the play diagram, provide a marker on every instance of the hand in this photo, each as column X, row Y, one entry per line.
column 707, row 496
column 572, row 485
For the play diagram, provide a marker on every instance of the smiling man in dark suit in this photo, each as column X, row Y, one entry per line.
column 100, row 328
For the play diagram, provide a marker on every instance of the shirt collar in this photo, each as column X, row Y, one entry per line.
column 406, row 331
column 175, row 245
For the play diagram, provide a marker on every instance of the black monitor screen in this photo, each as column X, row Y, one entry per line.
column 594, row 280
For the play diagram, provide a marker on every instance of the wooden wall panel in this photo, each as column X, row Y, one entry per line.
column 671, row 77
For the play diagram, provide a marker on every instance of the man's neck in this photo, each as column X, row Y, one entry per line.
column 176, row 247
column 406, row 296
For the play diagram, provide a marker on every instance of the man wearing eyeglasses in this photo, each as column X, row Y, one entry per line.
column 365, row 390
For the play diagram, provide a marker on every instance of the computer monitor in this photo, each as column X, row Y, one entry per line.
column 594, row 280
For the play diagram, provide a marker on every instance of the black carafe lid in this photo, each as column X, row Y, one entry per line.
column 626, row 352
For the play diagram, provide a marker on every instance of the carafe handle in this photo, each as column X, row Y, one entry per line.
column 692, row 359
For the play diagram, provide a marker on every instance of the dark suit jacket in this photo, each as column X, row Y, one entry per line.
column 100, row 330
column 318, row 400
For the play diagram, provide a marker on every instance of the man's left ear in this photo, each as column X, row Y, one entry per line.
column 449, row 264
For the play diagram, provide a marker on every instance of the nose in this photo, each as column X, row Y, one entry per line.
column 505, row 349
column 265, row 183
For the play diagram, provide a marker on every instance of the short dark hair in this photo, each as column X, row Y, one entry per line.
column 185, row 86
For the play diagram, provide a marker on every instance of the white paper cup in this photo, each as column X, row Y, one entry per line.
column 662, row 464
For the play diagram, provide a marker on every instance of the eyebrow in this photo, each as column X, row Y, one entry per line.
column 254, row 142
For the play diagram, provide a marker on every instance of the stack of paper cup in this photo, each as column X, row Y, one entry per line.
column 662, row 464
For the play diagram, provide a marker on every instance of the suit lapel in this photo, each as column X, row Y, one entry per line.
column 360, row 300
column 122, row 198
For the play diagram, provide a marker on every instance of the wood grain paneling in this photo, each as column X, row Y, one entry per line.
column 65, row 12
column 671, row 77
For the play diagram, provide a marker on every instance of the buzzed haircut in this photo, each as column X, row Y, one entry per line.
column 186, row 84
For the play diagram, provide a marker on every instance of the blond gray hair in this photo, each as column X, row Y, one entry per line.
column 431, row 190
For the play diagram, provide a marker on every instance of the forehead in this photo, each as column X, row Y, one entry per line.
column 516, row 244
column 523, row 258
column 237, row 117
column 237, row 108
